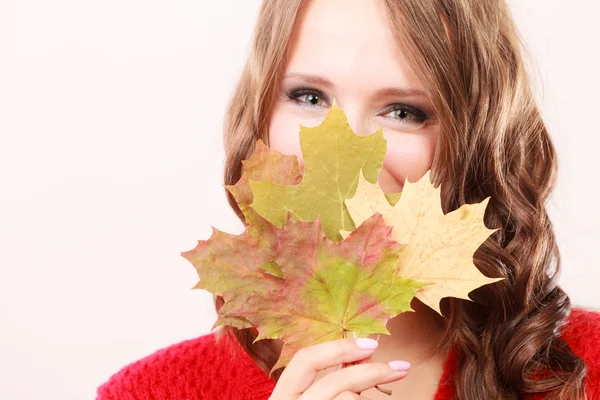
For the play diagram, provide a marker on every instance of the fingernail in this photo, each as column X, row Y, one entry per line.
column 366, row 343
column 399, row 365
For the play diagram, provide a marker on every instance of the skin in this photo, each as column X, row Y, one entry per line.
column 345, row 49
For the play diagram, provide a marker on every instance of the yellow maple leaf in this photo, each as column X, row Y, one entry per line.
column 439, row 247
column 333, row 158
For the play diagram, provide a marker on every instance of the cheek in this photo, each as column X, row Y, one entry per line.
column 284, row 135
column 408, row 156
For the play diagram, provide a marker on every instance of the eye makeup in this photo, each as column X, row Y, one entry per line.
column 400, row 113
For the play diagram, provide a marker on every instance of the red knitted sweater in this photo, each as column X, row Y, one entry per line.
column 200, row 369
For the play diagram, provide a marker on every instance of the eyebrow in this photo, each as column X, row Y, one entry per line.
column 320, row 80
column 384, row 92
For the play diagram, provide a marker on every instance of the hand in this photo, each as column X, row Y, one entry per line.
column 297, row 382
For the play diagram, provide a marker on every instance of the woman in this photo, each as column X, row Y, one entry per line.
column 446, row 81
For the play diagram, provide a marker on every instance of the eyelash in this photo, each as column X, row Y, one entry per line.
column 419, row 116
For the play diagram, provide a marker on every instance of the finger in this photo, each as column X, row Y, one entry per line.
column 370, row 358
column 302, row 370
column 350, row 396
column 363, row 361
column 356, row 379
column 347, row 396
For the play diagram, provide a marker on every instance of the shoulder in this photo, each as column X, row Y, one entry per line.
column 582, row 334
column 198, row 368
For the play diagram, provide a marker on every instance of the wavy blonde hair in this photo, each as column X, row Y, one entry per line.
column 492, row 142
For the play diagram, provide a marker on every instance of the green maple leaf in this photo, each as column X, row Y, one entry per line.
column 333, row 158
column 330, row 288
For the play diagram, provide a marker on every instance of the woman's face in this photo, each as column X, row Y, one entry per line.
column 344, row 49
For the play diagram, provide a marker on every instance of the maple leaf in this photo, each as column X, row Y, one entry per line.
column 333, row 157
column 264, row 165
column 439, row 247
column 331, row 288
column 235, row 266
column 292, row 276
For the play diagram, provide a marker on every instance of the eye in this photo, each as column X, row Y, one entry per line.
column 308, row 97
column 312, row 99
column 405, row 114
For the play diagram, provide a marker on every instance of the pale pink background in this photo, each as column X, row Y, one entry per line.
column 110, row 166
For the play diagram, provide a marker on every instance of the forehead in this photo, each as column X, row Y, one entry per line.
column 348, row 41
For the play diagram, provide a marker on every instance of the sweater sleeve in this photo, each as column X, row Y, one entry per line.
column 200, row 368
column 583, row 336
column 174, row 372
column 129, row 383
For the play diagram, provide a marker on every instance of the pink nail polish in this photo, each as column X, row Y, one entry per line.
column 399, row 365
column 366, row 343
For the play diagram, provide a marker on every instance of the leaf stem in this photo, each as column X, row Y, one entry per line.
column 350, row 334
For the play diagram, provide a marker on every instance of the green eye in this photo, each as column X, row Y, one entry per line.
column 401, row 114
column 406, row 114
column 306, row 97
column 312, row 99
